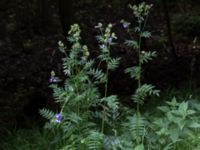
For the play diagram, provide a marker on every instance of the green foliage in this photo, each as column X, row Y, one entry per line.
column 113, row 63
column 132, row 43
column 136, row 128
column 94, row 140
column 136, row 125
column 176, row 124
column 98, row 75
column 134, row 72
column 24, row 139
column 145, row 57
column 48, row 114
column 91, row 120
column 144, row 91
column 155, row 130
column 76, row 126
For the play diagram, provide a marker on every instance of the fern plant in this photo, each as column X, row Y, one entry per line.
column 141, row 13
column 76, row 126
column 136, row 123
column 72, row 123
column 90, row 120
column 105, row 39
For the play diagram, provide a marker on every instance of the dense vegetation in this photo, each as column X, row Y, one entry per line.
column 90, row 115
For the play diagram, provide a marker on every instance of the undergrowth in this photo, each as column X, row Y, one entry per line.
column 35, row 139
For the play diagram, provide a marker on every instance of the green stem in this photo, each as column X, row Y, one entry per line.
column 107, row 72
column 140, row 65
column 139, row 57
column 106, row 84
column 79, row 132
column 63, row 106
column 103, row 121
column 78, row 109
column 105, row 94
column 106, row 91
column 145, row 22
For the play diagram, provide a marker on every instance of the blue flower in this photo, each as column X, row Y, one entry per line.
column 54, row 79
column 102, row 46
column 58, row 118
column 125, row 25
column 110, row 40
column 51, row 80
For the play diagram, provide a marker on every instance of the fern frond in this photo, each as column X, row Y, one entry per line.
column 94, row 141
column 46, row 113
column 73, row 118
column 126, row 142
column 143, row 91
column 113, row 63
column 59, row 93
column 112, row 143
column 88, row 64
column 136, row 127
column 111, row 101
column 134, row 72
column 104, row 56
column 98, row 75
column 132, row 43
column 147, row 56
column 145, row 34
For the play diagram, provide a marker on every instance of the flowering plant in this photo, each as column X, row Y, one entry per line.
column 90, row 120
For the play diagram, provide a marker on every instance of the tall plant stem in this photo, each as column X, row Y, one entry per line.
column 103, row 121
column 105, row 94
column 141, row 27
column 106, row 84
column 106, row 91
column 139, row 64
column 63, row 106
column 107, row 72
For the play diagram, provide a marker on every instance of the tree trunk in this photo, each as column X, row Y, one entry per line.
column 168, row 23
column 175, row 63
